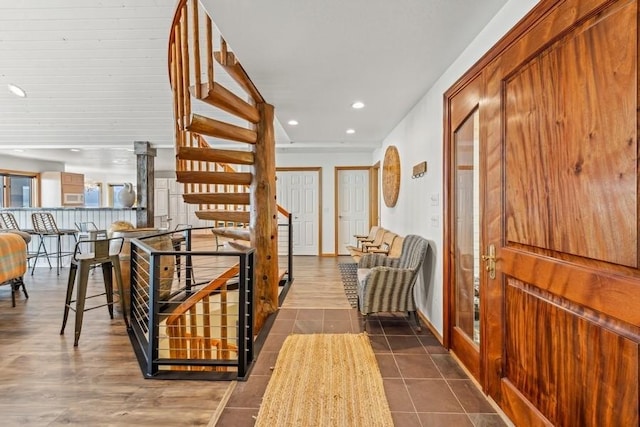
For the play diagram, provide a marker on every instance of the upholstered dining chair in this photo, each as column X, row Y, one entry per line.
column 44, row 225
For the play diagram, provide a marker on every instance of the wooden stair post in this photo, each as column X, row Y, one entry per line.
column 264, row 219
column 145, row 183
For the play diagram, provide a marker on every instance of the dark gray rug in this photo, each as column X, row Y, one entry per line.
column 349, row 274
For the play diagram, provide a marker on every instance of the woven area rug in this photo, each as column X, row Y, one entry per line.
column 325, row 380
column 349, row 275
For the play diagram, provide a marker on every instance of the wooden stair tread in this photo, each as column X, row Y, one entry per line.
column 218, row 96
column 237, row 246
column 237, row 73
column 208, row 154
column 217, row 129
column 224, row 215
column 232, row 233
column 217, row 198
column 201, row 177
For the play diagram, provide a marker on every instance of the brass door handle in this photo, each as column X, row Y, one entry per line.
column 490, row 261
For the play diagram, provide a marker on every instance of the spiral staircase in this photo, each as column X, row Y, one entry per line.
column 227, row 167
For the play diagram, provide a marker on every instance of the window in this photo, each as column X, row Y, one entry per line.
column 18, row 189
column 93, row 195
column 114, row 189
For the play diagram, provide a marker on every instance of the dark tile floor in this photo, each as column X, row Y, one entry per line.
column 424, row 384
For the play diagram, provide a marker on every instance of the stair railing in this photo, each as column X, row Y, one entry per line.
column 197, row 320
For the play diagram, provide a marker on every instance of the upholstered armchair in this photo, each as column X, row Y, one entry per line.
column 386, row 284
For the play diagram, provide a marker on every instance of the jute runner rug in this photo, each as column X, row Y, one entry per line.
column 325, row 380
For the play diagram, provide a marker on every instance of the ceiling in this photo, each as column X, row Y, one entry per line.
column 95, row 71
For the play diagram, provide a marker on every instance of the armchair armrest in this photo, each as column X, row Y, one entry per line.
column 378, row 251
column 370, row 260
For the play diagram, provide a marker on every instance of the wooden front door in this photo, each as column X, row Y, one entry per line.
column 563, row 311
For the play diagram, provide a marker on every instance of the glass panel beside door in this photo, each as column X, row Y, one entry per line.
column 467, row 228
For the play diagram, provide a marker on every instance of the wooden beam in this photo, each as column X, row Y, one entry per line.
column 218, row 129
column 235, row 70
column 197, row 177
column 217, row 198
column 227, row 216
column 264, row 219
column 215, row 155
column 221, row 97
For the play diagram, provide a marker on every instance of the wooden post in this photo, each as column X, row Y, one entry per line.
column 264, row 219
column 145, row 183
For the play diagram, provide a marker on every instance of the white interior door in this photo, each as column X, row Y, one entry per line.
column 161, row 203
column 298, row 192
column 353, row 206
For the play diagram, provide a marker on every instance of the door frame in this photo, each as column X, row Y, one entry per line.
column 374, row 194
column 317, row 169
column 336, row 200
column 471, row 93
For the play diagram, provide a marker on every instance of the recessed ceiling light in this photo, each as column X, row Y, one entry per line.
column 75, row 150
column 293, row 122
column 357, row 105
column 351, row 131
column 16, row 90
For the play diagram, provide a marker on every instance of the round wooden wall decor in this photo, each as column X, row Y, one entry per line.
column 391, row 176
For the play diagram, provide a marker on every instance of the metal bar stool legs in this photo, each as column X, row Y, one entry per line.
column 79, row 270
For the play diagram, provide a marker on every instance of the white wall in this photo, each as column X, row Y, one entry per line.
column 328, row 163
column 419, row 137
column 29, row 165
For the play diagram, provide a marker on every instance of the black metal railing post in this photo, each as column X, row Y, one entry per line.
column 290, row 255
column 154, row 327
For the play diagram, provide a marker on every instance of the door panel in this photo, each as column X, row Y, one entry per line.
column 567, row 152
column 352, row 207
column 562, row 328
column 298, row 192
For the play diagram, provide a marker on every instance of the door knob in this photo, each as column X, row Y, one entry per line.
column 490, row 261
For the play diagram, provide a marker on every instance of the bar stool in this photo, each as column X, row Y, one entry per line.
column 44, row 225
column 8, row 223
column 106, row 252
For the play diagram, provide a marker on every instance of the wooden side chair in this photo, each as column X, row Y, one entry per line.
column 361, row 238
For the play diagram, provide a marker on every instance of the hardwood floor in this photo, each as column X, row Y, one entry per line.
column 45, row 381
